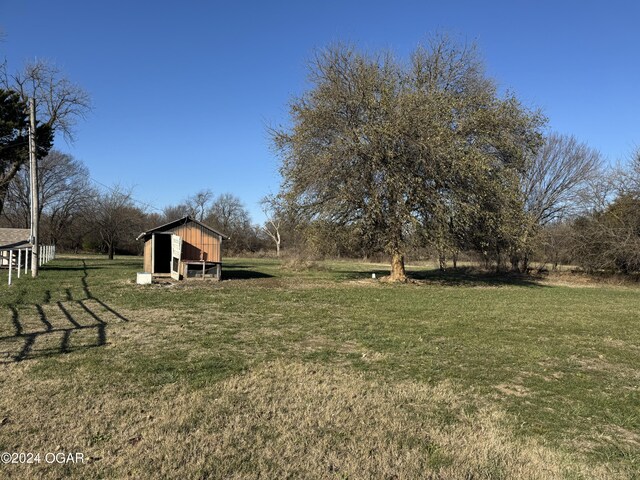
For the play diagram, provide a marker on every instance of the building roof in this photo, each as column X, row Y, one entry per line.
column 14, row 238
column 177, row 223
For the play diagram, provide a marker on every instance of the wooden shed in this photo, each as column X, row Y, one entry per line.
column 183, row 248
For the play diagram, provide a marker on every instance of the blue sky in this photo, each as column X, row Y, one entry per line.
column 183, row 92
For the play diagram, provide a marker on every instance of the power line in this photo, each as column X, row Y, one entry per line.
column 152, row 207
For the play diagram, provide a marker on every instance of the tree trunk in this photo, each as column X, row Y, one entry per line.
column 278, row 249
column 110, row 250
column 3, row 195
column 515, row 263
column 398, row 273
column 442, row 261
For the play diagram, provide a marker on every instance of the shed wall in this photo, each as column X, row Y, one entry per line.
column 195, row 240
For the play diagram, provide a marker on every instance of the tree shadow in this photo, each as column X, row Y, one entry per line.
column 463, row 277
column 52, row 328
column 469, row 276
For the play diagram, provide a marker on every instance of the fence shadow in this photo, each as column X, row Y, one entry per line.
column 52, row 328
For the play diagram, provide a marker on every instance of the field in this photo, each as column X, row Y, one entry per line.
column 318, row 372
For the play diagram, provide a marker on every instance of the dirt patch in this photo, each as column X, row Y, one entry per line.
column 513, row 389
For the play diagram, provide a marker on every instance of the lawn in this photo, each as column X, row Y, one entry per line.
column 318, row 372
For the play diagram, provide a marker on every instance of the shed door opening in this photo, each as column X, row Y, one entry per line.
column 161, row 253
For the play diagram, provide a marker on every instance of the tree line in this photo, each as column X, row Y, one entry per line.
column 76, row 215
column 413, row 159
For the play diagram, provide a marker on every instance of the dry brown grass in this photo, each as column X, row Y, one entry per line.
column 572, row 278
column 281, row 420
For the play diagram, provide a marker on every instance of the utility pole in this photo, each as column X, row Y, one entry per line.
column 33, row 180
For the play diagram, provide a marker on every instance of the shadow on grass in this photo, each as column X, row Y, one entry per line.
column 62, row 326
column 465, row 276
column 62, row 268
column 242, row 272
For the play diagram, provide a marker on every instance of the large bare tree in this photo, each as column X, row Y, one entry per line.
column 554, row 184
column 396, row 147
column 555, row 177
column 65, row 192
column 59, row 105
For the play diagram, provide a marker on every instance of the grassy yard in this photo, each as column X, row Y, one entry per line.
column 318, row 373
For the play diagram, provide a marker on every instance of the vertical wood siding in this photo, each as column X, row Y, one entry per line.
column 147, row 255
column 195, row 240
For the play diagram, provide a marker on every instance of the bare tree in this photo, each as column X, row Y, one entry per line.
column 116, row 218
column 553, row 185
column 555, row 177
column 59, row 104
column 227, row 212
column 628, row 176
column 198, row 205
column 174, row 212
column 65, row 191
column 229, row 215
column 272, row 207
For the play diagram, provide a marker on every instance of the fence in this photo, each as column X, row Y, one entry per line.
column 21, row 258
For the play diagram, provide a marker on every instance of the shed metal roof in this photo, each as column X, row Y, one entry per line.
column 14, row 238
column 176, row 223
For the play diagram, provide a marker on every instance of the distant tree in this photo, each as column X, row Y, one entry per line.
column 553, row 184
column 607, row 236
column 116, row 218
column 174, row 212
column 555, row 243
column 65, row 191
column 395, row 148
column 14, row 134
column 198, row 205
column 229, row 216
column 610, row 240
column 629, row 176
column 153, row 219
column 273, row 207
column 555, row 176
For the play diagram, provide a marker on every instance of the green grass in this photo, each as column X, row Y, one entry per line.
column 559, row 364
